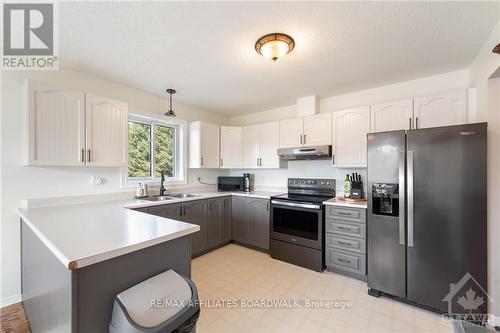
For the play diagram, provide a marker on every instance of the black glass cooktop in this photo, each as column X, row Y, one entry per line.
column 303, row 198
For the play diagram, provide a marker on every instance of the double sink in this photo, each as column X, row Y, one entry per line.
column 171, row 196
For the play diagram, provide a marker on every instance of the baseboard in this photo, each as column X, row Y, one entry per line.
column 10, row 300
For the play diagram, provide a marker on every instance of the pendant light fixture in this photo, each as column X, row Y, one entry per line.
column 274, row 46
column 170, row 112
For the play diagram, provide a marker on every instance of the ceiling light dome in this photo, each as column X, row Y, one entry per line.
column 274, row 46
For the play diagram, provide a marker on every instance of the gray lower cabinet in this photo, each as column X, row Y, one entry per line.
column 212, row 215
column 239, row 219
column 170, row 211
column 345, row 241
column 195, row 212
column 258, row 220
column 251, row 221
column 218, row 221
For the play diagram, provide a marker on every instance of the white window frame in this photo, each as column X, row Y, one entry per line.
column 180, row 154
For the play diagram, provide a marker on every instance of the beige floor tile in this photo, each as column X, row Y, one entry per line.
column 234, row 272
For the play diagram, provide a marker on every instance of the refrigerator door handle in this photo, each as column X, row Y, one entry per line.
column 402, row 198
column 410, row 198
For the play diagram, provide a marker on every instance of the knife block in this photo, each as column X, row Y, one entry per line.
column 357, row 190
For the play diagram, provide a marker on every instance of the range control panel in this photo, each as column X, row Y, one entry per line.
column 311, row 183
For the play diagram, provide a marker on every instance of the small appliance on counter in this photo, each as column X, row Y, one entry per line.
column 247, row 182
column 141, row 191
column 230, row 184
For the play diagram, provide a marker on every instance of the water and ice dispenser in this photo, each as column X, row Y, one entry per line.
column 385, row 199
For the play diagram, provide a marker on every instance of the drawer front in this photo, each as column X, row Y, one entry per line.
column 346, row 214
column 352, row 262
column 342, row 228
column 346, row 243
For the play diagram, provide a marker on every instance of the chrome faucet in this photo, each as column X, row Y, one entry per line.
column 162, row 179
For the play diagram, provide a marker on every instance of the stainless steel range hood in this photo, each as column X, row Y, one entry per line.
column 306, row 153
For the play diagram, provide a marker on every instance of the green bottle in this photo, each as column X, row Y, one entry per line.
column 347, row 187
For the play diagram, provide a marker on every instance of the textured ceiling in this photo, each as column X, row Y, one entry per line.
column 205, row 50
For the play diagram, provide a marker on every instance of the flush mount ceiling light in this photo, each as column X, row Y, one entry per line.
column 274, row 46
column 170, row 112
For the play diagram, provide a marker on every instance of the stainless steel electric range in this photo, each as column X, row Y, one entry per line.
column 298, row 222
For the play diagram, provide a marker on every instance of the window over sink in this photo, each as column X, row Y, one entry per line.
column 155, row 144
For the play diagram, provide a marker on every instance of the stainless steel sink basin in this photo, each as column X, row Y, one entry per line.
column 183, row 195
column 158, row 198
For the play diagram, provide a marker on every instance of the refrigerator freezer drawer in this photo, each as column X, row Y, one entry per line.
column 346, row 214
column 346, row 228
column 352, row 262
column 346, row 243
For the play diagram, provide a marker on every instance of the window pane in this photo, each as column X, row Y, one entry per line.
column 164, row 150
column 139, row 150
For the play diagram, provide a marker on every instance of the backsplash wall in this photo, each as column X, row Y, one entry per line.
column 300, row 169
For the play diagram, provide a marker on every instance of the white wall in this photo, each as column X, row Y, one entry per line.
column 18, row 182
column 446, row 82
column 482, row 70
column 300, row 169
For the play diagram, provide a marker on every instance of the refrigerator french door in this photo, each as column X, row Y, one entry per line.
column 439, row 233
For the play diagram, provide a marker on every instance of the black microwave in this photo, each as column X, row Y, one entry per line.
column 230, row 184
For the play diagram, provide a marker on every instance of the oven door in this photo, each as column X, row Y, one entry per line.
column 298, row 223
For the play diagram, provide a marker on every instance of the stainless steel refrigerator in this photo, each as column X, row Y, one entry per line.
column 426, row 212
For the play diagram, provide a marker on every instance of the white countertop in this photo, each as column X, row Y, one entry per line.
column 84, row 234
column 340, row 202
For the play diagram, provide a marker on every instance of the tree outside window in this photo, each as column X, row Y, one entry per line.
column 151, row 149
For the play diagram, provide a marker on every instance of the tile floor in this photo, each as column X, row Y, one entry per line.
column 234, row 272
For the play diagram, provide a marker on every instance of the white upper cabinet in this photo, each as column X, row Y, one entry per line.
column 441, row 110
column 317, row 130
column 291, row 131
column 306, row 131
column 350, row 128
column 251, row 146
column 269, row 144
column 203, row 145
column 56, row 126
column 231, row 152
column 261, row 143
column 106, row 131
column 392, row 116
column 71, row 128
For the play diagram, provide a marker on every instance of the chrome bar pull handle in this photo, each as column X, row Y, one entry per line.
column 402, row 198
column 411, row 204
column 410, row 124
column 88, row 155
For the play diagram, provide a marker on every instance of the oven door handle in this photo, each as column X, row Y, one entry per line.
column 294, row 204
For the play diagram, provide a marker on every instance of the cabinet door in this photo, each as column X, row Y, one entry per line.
column 231, row 154
column 318, row 130
column 214, row 222
column 195, row 212
column 269, row 144
column 209, row 145
column 56, row 125
column 251, row 146
column 441, row 110
column 239, row 219
column 170, row 211
column 226, row 219
column 258, row 222
column 106, row 131
column 350, row 128
column 291, row 131
column 392, row 116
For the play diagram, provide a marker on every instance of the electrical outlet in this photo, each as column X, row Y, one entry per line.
column 95, row 180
